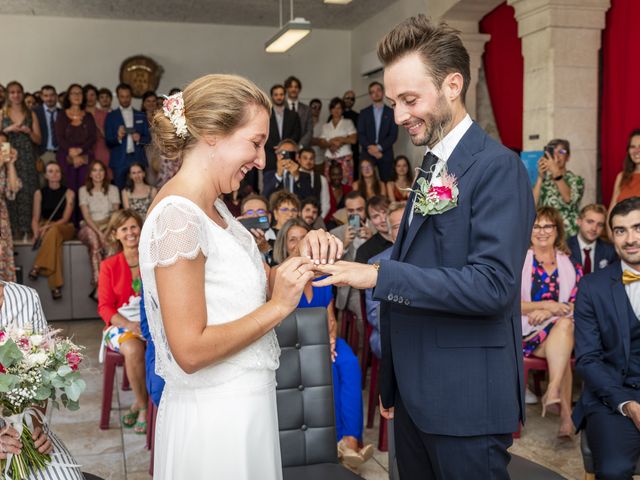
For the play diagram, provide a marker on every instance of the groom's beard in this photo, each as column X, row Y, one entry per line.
column 436, row 124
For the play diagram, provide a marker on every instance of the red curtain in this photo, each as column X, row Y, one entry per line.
column 620, row 101
column 504, row 71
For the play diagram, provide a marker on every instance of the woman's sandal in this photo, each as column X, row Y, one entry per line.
column 33, row 274
column 141, row 427
column 56, row 293
column 130, row 418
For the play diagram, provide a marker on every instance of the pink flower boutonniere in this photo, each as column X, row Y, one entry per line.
column 438, row 196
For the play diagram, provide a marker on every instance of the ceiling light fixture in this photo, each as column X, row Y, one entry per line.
column 289, row 34
column 337, row 2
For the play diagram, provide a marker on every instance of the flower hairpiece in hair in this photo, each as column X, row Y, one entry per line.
column 173, row 108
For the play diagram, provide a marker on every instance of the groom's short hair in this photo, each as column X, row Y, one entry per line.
column 439, row 46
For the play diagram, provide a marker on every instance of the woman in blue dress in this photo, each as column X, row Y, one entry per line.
column 347, row 379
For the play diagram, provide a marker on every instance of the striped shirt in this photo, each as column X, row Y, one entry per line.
column 21, row 307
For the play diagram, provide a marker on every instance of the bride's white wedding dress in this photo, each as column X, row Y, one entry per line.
column 220, row 422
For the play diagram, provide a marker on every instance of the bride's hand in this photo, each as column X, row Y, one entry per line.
column 291, row 277
column 321, row 247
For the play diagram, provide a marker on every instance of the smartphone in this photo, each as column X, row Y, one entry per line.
column 354, row 221
column 261, row 223
column 129, row 130
column 549, row 151
column 5, row 149
column 288, row 155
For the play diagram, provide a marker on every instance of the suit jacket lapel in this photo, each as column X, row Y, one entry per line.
column 459, row 162
column 621, row 304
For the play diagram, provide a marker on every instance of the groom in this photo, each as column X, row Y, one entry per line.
column 451, row 374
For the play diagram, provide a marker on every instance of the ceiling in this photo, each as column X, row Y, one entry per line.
column 225, row 12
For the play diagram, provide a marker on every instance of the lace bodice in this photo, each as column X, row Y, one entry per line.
column 235, row 284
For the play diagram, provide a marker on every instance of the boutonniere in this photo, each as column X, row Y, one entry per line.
column 438, row 196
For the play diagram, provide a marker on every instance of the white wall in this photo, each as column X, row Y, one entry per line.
column 38, row 50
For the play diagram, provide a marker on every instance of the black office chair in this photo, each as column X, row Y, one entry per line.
column 305, row 399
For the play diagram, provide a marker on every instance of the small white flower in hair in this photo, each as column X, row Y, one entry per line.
column 173, row 108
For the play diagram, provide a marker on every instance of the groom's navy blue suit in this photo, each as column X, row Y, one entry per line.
column 450, row 311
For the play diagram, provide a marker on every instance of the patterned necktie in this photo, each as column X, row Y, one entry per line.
column 586, row 267
column 629, row 277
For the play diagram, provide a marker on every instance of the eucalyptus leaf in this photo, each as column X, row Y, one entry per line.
column 43, row 392
column 64, row 370
column 9, row 353
column 7, row 382
column 74, row 390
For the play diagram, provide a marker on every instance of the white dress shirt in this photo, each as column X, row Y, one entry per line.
column 633, row 293
column 127, row 116
column 344, row 128
column 445, row 147
column 592, row 252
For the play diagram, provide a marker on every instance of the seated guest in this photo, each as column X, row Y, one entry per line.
column 396, row 209
column 287, row 175
column 76, row 134
column 9, row 186
column 51, row 223
column 137, row 194
column 20, row 307
column 310, row 213
column 284, row 206
column 119, row 306
column 347, row 378
column 401, row 180
column 255, row 206
column 627, row 183
column 377, row 208
column 608, row 351
column 587, row 248
column 558, row 187
column 337, row 192
column 319, row 184
column 98, row 200
column 369, row 183
column 549, row 286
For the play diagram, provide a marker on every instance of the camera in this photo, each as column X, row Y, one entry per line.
column 287, row 155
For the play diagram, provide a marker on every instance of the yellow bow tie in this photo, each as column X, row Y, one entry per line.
column 629, row 277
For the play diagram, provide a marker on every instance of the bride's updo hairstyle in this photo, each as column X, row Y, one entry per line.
column 213, row 105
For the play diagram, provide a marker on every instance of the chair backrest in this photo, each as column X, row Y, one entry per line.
column 305, row 390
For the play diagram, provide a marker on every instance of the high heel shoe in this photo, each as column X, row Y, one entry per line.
column 553, row 403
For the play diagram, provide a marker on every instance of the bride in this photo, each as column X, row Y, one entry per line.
column 206, row 290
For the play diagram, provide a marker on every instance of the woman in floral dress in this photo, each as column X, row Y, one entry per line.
column 9, row 185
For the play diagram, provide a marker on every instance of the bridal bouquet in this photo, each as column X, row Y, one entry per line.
column 35, row 368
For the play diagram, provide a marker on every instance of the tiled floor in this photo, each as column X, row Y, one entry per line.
column 120, row 454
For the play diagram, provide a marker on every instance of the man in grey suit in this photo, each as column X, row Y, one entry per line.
column 293, row 87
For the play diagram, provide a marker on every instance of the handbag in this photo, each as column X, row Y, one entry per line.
column 38, row 243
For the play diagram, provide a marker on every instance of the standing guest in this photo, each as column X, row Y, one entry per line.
column 98, row 200
column 76, row 134
column 233, row 201
column 53, row 207
column 319, row 183
column 284, row 206
column 347, row 377
column 105, row 98
column 293, row 86
column 100, row 150
column 310, row 213
column 338, row 190
column 151, row 151
column 338, row 135
column 349, row 100
column 377, row 132
column 378, row 216
column 30, row 101
column 558, row 187
column 369, row 184
column 449, row 310
column 127, row 133
column 401, row 180
column 548, row 292
column 287, row 175
column 284, row 124
column 20, row 307
column 23, row 130
column 137, row 194
column 627, row 182
column 119, row 291
column 587, row 247
column 47, row 114
column 315, row 106
column 607, row 336
column 9, row 186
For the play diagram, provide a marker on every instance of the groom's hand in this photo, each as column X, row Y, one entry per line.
column 386, row 412
column 356, row 275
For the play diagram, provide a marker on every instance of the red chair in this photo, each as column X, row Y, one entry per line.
column 372, row 406
column 111, row 361
column 538, row 366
